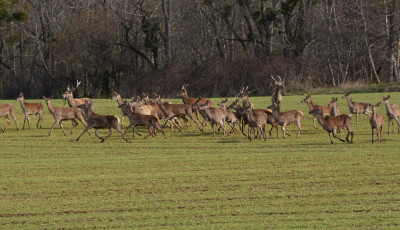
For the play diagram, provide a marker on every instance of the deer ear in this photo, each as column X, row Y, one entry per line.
column 388, row 96
column 44, row 98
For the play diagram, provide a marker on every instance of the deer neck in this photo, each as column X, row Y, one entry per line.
column 50, row 107
column 22, row 102
column 162, row 107
column 185, row 97
column 349, row 102
column 250, row 115
column 310, row 104
column 119, row 100
column 388, row 108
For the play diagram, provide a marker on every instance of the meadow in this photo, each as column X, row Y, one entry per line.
column 192, row 180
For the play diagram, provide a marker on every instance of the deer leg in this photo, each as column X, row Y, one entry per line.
column 249, row 132
column 191, row 117
column 389, row 125
column 157, row 126
column 150, row 133
column 315, row 127
column 357, row 118
column 334, row 135
column 96, row 132
column 15, row 120
column 27, row 118
column 380, row 132
column 284, row 131
column 63, row 128
column 349, row 132
column 7, row 123
column 122, row 121
column 222, row 125
column 86, row 129
column 55, row 123
column 372, row 139
column 398, row 124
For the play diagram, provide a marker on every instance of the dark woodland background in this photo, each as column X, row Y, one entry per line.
column 216, row 47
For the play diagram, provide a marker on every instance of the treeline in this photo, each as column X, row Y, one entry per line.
column 215, row 46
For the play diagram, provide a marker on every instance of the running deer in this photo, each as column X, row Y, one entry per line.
column 74, row 102
column 61, row 114
column 334, row 109
column 137, row 119
column 190, row 101
column 29, row 109
column 277, row 94
column 255, row 120
column 5, row 110
column 287, row 118
column 376, row 121
column 97, row 122
column 325, row 109
column 333, row 124
column 215, row 117
column 356, row 107
column 175, row 110
column 393, row 113
column 230, row 118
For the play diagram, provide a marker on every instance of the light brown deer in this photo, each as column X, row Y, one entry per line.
column 5, row 110
column 325, row 109
column 175, row 110
column 393, row 113
column 277, row 94
column 357, row 107
column 230, row 118
column 376, row 121
column 97, row 122
column 74, row 102
column 215, row 117
column 61, row 114
column 287, row 118
column 29, row 109
column 334, row 109
column 137, row 119
column 255, row 120
column 333, row 124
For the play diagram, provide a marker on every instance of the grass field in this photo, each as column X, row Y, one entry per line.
column 192, row 180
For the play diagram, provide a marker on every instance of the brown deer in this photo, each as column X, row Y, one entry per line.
column 61, row 114
column 29, row 109
column 190, row 101
column 255, row 120
column 230, row 118
column 74, row 102
column 97, row 122
column 117, row 97
column 356, row 107
column 175, row 110
column 376, row 121
column 393, row 113
column 244, row 97
column 5, row 110
column 333, row 124
column 325, row 109
column 277, row 94
column 287, row 118
column 215, row 117
column 137, row 119
column 334, row 109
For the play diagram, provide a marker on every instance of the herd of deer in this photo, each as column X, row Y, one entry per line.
column 147, row 113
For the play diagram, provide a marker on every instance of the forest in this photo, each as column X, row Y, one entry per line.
column 216, row 47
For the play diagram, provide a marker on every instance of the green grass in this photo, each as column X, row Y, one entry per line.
column 192, row 180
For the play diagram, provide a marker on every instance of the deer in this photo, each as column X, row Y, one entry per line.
column 190, row 101
column 393, row 113
column 30, row 109
column 97, row 122
column 230, row 118
column 5, row 110
column 325, row 109
column 356, row 107
column 244, row 97
column 215, row 117
column 61, row 114
column 117, row 97
column 287, row 118
column 333, row 124
column 376, row 121
column 255, row 120
column 334, row 109
column 137, row 119
column 175, row 110
column 277, row 95
column 74, row 102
